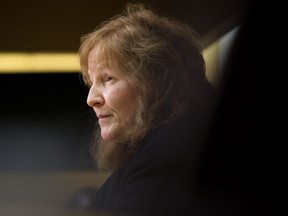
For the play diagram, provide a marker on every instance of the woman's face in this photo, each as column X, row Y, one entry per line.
column 111, row 97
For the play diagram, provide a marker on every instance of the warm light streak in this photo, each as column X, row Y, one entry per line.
column 38, row 62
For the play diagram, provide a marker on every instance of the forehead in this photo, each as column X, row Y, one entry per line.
column 95, row 61
column 101, row 57
column 98, row 61
column 94, row 55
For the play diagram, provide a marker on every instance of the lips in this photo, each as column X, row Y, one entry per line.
column 103, row 119
column 101, row 116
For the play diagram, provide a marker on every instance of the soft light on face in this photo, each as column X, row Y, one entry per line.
column 111, row 97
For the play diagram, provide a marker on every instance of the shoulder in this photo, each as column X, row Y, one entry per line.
column 175, row 143
column 168, row 155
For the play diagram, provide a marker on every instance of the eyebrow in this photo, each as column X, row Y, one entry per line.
column 100, row 66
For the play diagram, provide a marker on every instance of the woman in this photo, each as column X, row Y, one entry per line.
column 153, row 102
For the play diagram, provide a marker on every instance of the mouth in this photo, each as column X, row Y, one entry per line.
column 103, row 116
column 104, row 120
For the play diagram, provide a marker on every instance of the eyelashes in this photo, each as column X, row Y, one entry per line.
column 108, row 78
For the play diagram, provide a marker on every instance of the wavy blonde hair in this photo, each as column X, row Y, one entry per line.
column 162, row 61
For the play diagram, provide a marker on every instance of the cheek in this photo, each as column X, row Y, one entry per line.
column 123, row 102
column 130, row 106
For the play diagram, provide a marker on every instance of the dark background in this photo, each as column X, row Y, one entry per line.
column 57, row 25
column 45, row 123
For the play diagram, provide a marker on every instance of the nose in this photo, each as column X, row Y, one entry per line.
column 95, row 98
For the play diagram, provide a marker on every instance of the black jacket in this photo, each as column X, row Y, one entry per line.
column 159, row 179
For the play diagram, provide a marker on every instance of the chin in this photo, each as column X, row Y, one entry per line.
column 108, row 135
column 112, row 135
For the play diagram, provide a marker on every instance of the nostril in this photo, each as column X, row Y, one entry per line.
column 95, row 101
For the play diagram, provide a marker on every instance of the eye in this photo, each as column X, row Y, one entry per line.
column 108, row 78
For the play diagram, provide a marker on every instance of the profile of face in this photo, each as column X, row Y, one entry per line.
column 111, row 97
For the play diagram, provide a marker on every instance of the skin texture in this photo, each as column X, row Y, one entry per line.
column 111, row 97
